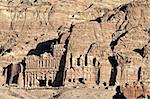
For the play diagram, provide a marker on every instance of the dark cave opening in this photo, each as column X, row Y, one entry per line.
column 81, row 80
column 50, row 82
column 15, row 79
column 9, row 69
column 42, row 83
column 86, row 59
column 94, row 62
column 124, row 8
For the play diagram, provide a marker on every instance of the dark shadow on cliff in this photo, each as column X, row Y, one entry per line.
column 60, row 73
column 43, row 47
column 115, row 42
column 114, row 64
column 12, row 72
column 86, row 55
column 8, row 69
column 98, row 75
column 140, row 51
column 119, row 94
column 1, row 49
column 23, row 62
column 139, row 73
column 98, row 19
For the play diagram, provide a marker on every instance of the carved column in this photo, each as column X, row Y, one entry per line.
column 26, row 80
column 35, row 79
column 57, row 63
column 74, row 62
column 50, row 62
column 29, row 79
column 44, row 59
column 27, row 61
column 90, row 60
column 49, row 65
column 46, row 78
column 54, row 63
column 32, row 80
column 37, row 63
column 40, row 62
column 47, row 62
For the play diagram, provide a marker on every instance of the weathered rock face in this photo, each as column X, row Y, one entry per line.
column 118, row 37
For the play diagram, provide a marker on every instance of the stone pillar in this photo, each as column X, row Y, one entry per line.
column 74, row 62
column 35, row 79
column 54, row 62
column 32, row 80
column 46, row 80
column 29, row 79
column 90, row 60
column 49, row 62
column 44, row 62
column 122, row 74
column 26, row 80
column 81, row 61
column 36, row 83
column 119, row 78
column 27, row 61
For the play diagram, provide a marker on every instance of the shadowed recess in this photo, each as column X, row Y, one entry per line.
column 140, row 51
column 43, row 47
column 114, row 64
column 119, row 94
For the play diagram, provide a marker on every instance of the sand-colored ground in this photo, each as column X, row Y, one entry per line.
column 63, row 93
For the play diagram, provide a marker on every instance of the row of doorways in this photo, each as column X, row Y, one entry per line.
column 42, row 83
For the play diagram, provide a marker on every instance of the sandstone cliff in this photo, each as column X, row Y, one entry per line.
column 108, row 30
